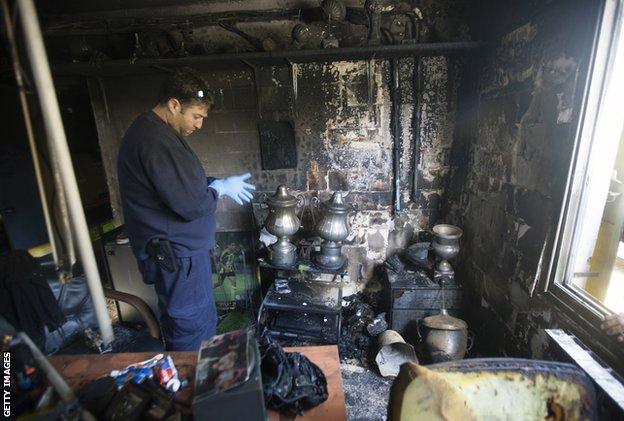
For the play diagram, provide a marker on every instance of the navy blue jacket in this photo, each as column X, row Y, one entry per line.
column 164, row 189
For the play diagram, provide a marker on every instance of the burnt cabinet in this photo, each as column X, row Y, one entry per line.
column 414, row 296
column 309, row 308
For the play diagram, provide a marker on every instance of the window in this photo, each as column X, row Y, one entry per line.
column 587, row 271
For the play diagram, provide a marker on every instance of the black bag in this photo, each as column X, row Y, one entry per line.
column 291, row 382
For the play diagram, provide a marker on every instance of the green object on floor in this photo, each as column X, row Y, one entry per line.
column 106, row 227
column 233, row 321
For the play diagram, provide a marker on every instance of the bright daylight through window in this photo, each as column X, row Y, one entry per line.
column 590, row 268
column 598, row 269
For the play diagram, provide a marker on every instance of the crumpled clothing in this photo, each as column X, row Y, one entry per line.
column 291, row 382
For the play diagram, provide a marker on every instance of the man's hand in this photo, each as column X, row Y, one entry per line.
column 614, row 326
column 235, row 187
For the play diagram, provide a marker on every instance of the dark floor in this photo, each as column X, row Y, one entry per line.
column 366, row 392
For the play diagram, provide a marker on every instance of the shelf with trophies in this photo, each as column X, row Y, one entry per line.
column 303, row 301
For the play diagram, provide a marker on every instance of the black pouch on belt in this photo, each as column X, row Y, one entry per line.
column 161, row 251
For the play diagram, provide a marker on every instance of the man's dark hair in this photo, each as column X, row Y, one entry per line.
column 187, row 86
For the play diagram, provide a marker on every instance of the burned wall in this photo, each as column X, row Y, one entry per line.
column 341, row 111
column 341, row 115
column 509, row 170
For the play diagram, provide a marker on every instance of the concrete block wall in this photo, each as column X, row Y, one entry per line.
column 509, row 166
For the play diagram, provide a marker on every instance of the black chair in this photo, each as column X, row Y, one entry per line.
column 75, row 303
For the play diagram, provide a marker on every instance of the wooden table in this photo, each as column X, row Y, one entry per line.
column 81, row 369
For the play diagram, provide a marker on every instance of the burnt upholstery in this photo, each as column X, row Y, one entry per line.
column 76, row 305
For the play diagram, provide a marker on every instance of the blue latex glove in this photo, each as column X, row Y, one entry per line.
column 235, row 187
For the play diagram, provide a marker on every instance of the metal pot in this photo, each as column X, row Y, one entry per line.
column 283, row 223
column 333, row 228
column 445, row 337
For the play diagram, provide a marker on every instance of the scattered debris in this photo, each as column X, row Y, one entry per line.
column 351, row 366
column 393, row 352
column 355, row 341
column 378, row 325
column 281, row 286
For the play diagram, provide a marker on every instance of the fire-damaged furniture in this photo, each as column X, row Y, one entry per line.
column 75, row 303
column 303, row 299
column 301, row 305
column 414, row 296
column 493, row 388
column 126, row 278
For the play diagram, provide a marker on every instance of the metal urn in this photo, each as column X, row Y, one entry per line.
column 282, row 222
column 445, row 244
column 333, row 228
column 445, row 337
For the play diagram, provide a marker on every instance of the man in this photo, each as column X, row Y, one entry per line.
column 169, row 208
column 613, row 324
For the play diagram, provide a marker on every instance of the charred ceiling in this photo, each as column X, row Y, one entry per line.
column 100, row 32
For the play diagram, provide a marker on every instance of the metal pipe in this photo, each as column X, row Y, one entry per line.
column 297, row 56
column 416, row 120
column 68, row 239
column 8, row 24
column 58, row 143
column 56, row 380
column 256, row 78
column 294, row 75
column 396, row 133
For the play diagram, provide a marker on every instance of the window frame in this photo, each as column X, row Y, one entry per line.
column 580, row 307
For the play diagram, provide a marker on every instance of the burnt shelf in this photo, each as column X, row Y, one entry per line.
column 284, row 57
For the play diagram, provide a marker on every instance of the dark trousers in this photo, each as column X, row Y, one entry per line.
column 187, row 307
